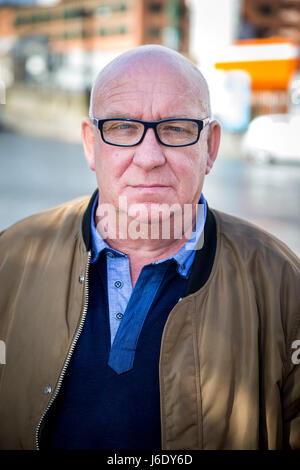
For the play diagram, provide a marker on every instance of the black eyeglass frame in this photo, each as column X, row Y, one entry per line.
column 151, row 125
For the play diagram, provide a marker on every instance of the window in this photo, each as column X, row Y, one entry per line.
column 155, row 7
column 113, row 31
column 108, row 9
column 73, row 34
column 20, row 20
column 103, row 10
column 154, row 32
column 265, row 10
column 37, row 18
column 75, row 13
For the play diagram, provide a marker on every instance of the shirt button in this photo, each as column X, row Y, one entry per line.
column 110, row 254
column 118, row 284
column 81, row 279
column 119, row 316
column 47, row 390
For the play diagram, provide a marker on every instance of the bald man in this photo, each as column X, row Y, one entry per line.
column 140, row 318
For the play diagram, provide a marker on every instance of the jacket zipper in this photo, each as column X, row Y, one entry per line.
column 65, row 366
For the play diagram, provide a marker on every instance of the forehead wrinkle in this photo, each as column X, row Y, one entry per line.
column 137, row 102
column 134, row 106
column 110, row 84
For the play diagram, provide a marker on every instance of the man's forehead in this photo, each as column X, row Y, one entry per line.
column 133, row 76
column 147, row 104
column 141, row 86
column 144, row 76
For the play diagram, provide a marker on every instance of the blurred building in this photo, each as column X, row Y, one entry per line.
column 214, row 24
column 280, row 20
column 266, row 46
column 71, row 40
column 55, row 48
column 267, row 18
column 50, row 53
column 258, row 37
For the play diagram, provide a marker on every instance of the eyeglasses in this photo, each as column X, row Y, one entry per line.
column 175, row 132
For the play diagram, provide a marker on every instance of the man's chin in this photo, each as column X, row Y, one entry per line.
column 153, row 212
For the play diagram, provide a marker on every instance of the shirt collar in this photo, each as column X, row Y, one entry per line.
column 183, row 258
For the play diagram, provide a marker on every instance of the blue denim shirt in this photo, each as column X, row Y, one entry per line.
column 128, row 307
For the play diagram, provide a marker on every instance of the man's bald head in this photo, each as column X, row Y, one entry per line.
column 147, row 59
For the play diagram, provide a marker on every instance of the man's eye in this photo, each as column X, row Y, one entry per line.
column 175, row 129
column 124, row 126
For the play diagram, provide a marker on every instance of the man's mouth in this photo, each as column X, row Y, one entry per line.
column 150, row 186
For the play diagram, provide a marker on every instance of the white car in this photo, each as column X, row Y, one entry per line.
column 273, row 137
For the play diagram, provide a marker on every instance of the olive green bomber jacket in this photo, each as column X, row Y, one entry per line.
column 229, row 374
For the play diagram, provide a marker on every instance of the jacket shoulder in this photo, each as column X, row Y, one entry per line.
column 63, row 218
column 249, row 240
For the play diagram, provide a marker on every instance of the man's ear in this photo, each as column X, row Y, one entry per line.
column 213, row 142
column 88, row 138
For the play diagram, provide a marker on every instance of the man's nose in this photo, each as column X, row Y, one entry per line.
column 149, row 153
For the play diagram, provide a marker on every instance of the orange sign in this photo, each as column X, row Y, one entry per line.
column 269, row 62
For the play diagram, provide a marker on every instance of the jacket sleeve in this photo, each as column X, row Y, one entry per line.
column 291, row 387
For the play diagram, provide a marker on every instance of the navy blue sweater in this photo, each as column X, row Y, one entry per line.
column 97, row 408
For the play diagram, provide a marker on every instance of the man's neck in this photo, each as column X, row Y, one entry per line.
column 143, row 249
column 145, row 252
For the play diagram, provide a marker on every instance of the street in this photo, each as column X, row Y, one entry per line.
column 39, row 173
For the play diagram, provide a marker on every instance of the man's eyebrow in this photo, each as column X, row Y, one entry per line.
column 120, row 115
column 132, row 116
